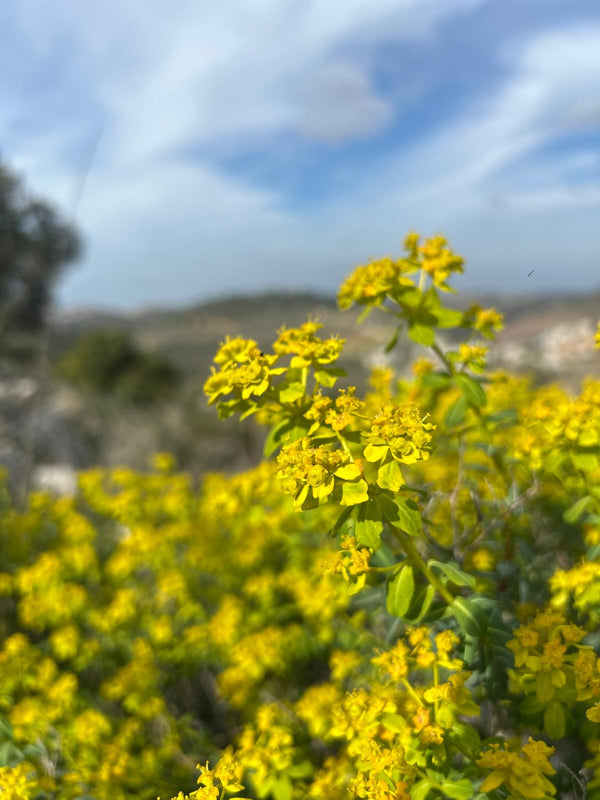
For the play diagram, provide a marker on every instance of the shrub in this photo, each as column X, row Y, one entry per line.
column 110, row 362
column 402, row 604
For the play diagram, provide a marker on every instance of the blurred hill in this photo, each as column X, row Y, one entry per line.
column 50, row 427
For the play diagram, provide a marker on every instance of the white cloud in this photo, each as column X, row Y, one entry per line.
column 553, row 92
column 162, row 78
column 159, row 78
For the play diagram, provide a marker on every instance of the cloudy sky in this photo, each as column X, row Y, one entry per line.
column 241, row 145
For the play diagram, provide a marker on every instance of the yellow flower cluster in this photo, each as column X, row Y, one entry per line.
column 437, row 260
column 522, row 768
column 350, row 561
column 551, row 663
column 245, row 371
column 147, row 625
column 372, row 283
column 386, row 278
column 581, row 585
column 16, row 782
column 486, row 321
column 312, row 473
column 305, row 348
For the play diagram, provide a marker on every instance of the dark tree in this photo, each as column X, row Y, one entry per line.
column 35, row 245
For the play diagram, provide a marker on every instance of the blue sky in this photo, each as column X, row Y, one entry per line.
column 253, row 144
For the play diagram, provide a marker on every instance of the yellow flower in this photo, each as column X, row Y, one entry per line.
column 312, row 472
column 16, row 782
column 522, row 770
column 306, row 348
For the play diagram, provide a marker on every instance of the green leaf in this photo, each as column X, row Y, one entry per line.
column 509, row 416
column 273, row 439
column 402, row 513
column 421, row 334
column 420, row 790
column 392, row 342
column 554, row 460
column 394, row 723
column 400, row 591
column 364, row 313
column 389, row 476
column 572, row 514
column 456, row 413
column 448, row 317
column 354, row 492
column 453, row 573
column 469, row 615
column 531, row 707
column 341, row 519
column 421, row 603
column 328, row 376
column 435, row 380
column 368, row 525
column 301, row 770
column 471, row 390
column 585, row 461
column 9, row 755
column 554, row 720
column 466, row 736
column 281, row 788
column 289, row 392
column 458, row 790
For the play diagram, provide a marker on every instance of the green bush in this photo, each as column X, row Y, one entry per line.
column 111, row 363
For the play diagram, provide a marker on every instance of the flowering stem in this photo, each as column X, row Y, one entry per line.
column 412, row 693
column 437, row 350
column 343, row 442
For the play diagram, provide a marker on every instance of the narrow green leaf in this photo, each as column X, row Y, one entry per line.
column 573, row 514
column 456, row 413
column 400, row 592
column 469, row 615
column 585, row 461
column 471, row 390
column 273, row 438
column 458, row 790
column 453, row 573
column 341, row 520
column 392, row 342
column 364, row 313
column 420, row 790
column 554, row 720
column 421, row 603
